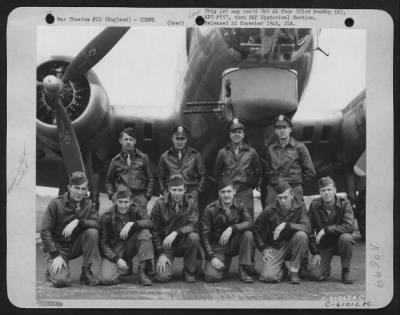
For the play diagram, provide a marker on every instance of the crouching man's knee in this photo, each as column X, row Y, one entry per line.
column 144, row 234
column 60, row 279
column 91, row 235
column 316, row 275
column 211, row 274
column 163, row 276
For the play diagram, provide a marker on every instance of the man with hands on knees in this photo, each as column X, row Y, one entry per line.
column 281, row 235
column 174, row 220
column 331, row 219
column 125, row 234
column 70, row 229
column 226, row 232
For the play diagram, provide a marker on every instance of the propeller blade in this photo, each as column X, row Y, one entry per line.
column 94, row 52
column 360, row 168
column 69, row 146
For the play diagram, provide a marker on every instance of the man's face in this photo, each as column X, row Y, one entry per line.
column 177, row 192
column 283, row 132
column 179, row 142
column 78, row 192
column 227, row 194
column 127, row 142
column 123, row 205
column 285, row 199
column 236, row 136
column 328, row 193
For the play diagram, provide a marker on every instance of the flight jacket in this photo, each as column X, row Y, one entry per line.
column 190, row 166
column 291, row 163
column 339, row 221
column 59, row 213
column 165, row 220
column 244, row 170
column 137, row 177
column 214, row 222
column 111, row 225
column 296, row 220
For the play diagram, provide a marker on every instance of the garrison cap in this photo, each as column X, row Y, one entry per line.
column 176, row 180
column 281, row 187
column 122, row 193
column 236, row 123
column 77, row 178
column 282, row 120
column 224, row 183
column 180, row 131
column 325, row 181
column 129, row 131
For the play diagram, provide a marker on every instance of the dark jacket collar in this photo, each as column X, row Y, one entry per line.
column 233, row 206
column 320, row 203
column 292, row 142
column 244, row 146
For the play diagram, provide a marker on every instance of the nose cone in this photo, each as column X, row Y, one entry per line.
column 52, row 85
column 263, row 92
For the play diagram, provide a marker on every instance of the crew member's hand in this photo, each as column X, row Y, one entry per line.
column 278, row 230
column 162, row 262
column 122, row 264
column 57, row 265
column 315, row 260
column 268, row 255
column 125, row 230
column 217, row 264
column 319, row 235
column 167, row 243
column 69, row 228
column 225, row 236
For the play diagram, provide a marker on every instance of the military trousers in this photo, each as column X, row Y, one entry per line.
column 86, row 245
column 241, row 244
column 139, row 245
column 341, row 248
column 188, row 247
column 294, row 250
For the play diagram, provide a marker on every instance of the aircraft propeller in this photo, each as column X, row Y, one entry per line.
column 54, row 87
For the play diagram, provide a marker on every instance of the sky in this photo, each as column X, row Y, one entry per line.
column 144, row 67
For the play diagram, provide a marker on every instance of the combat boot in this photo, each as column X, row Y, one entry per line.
column 189, row 276
column 243, row 275
column 346, row 277
column 294, row 277
column 143, row 279
column 148, row 269
column 88, row 278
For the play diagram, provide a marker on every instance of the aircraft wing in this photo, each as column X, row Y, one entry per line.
column 336, row 140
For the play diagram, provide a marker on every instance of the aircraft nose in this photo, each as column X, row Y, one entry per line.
column 263, row 92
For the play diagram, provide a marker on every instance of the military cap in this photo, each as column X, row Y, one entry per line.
column 283, row 120
column 122, row 193
column 180, row 131
column 77, row 178
column 281, row 187
column 325, row 181
column 236, row 123
column 129, row 131
column 224, row 183
column 176, row 180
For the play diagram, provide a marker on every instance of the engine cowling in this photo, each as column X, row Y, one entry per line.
column 84, row 99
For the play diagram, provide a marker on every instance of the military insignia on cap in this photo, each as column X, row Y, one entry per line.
column 280, row 118
column 235, row 120
column 180, row 129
